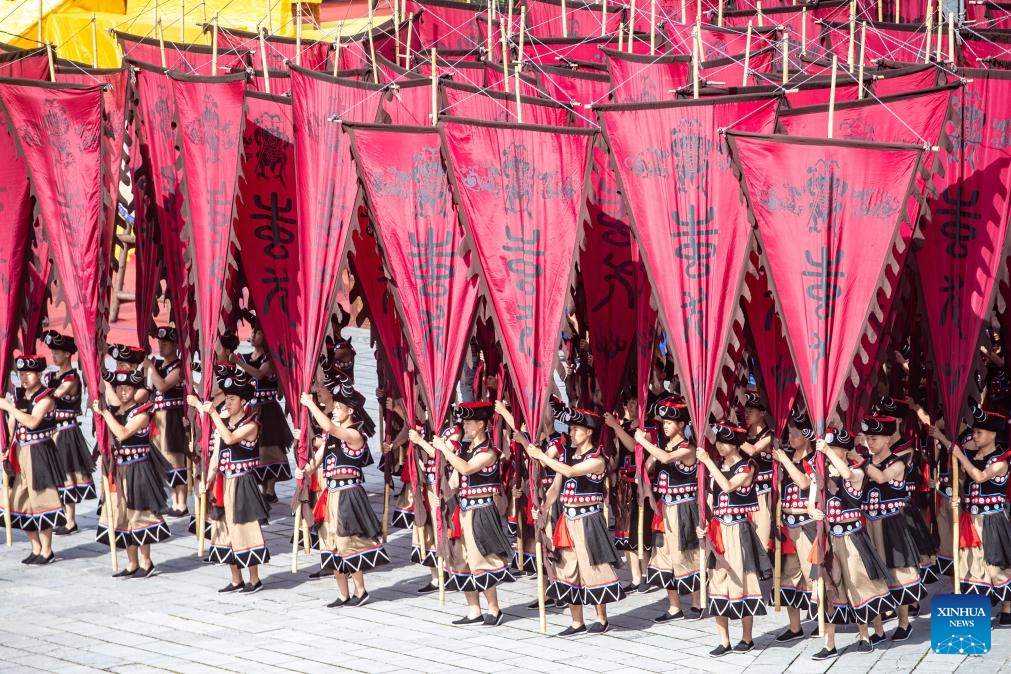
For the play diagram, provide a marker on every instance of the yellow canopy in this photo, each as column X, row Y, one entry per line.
column 80, row 29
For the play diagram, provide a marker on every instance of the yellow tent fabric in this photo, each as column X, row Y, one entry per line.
column 68, row 24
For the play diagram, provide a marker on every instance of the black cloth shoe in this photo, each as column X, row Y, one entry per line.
column 42, row 561
column 570, row 630
column 914, row 610
column 428, row 589
column 30, row 559
column 144, row 573
column 1004, row 620
column 901, row 634
column 469, row 621
column 864, row 646
column 249, row 588
column 61, row 531
column 355, row 600
column 789, row 635
column 322, row 573
column 693, row 614
column 646, row 588
column 337, row 603
column 744, row 646
column 230, row 588
column 720, row 651
column 877, row 638
column 126, row 573
column 598, row 628
column 826, row 654
column 493, row 620
column 667, row 616
column 631, row 588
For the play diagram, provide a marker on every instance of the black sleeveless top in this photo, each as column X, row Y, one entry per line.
column 586, row 489
column 341, row 462
column 764, row 461
column 266, row 387
column 173, row 397
column 25, row 403
column 790, row 493
column 844, row 505
column 734, row 506
column 68, row 407
column 560, row 442
column 888, row 499
column 242, row 456
column 137, row 446
column 986, row 497
column 485, row 482
column 675, row 482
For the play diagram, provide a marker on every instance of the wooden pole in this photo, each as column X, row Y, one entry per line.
column 940, row 35
column 786, row 58
column 94, row 40
column 505, row 55
column 523, row 30
column 696, row 50
column 386, row 484
column 49, row 58
column 565, row 20
column 684, row 13
column 652, row 25
column 831, row 97
column 603, row 18
column 951, row 38
column 758, row 11
column 881, row 11
column 863, row 56
column 298, row 32
column 631, row 26
column 7, row 504
column 372, row 57
column 201, row 522
column 337, row 49
column 510, row 8
column 110, row 504
column 263, row 62
column 747, row 55
column 897, row 7
column 407, row 48
column 540, row 589
column 719, row 14
column 777, row 573
column 621, row 36
column 519, row 106
column 850, row 50
column 930, row 30
column 161, row 45
column 295, row 536
column 803, row 31
column 435, row 99
column 214, row 46
column 956, row 553
column 490, row 14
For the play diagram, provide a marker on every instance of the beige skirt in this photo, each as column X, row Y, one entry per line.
column 851, row 594
column 944, row 547
column 577, row 580
column 347, row 554
column 238, row 543
column 177, row 472
column 670, row 567
column 906, row 584
column 734, row 590
column 32, row 509
column 763, row 519
column 978, row 576
column 402, row 516
column 796, row 573
column 423, row 538
column 468, row 570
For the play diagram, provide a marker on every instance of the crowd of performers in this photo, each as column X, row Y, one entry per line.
column 488, row 503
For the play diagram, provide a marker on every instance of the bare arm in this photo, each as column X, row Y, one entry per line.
column 169, row 381
column 894, row 473
column 29, row 419
column 122, row 432
column 463, row 467
column 587, row 467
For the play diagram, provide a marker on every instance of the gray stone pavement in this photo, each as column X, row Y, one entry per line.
column 73, row 617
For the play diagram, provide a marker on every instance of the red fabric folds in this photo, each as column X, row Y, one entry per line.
column 266, row 228
column 408, row 192
column 827, row 230
column 463, row 100
column 643, row 78
column 184, row 57
column 59, row 129
column 560, row 538
column 328, row 191
column 965, row 241
column 582, row 19
column 521, row 190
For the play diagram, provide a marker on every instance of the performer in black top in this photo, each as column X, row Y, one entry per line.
column 172, row 441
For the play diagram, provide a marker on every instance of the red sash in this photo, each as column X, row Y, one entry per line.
column 319, row 510
column 967, row 536
column 715, row 536
column 657, row 523
column 457, row 529
column 561, row 538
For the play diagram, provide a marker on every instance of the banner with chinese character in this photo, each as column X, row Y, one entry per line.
column 608, row 280
column 521, row 192
column 266, row 229
column 59, row 131
column 777, row 376
column 827, row 228
column 210, row 119
column 15, row 247
column 963, row 253
column 326, row 197
column 155, row 131
column 417, row 224
column 674, row 170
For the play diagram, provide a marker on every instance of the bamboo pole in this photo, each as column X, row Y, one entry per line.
column 505, row 55
column 523, row 30
column 565, row 20
column 201, row 522
column 42, row 13
column 490, row 14
column 157, row 13
column 897, row 8
column 298, row 32
column 881, row 11
column 386, row 483
column 110, row 504
column 930, row 30
column 540, row 589
column 372, row 57
column 631, row 27
column 270, row 18
column 510, row 8
column 435, row 99
column 337, row 54
column 786, row 58
column 407, row 49
column 951, row 38
column 850, row 50
column 747, row 55
column 684, row 13
column 956, row 553
column 7, row 504
column 758, row 11
column 696, row 50
column 396, row 38
column 803, row 31
column 214, row 46
column 603, row 18
column 295, row 536
column 777, row 573
column 652, row 25
column 94, row 40
column 621, row 36
column 519, row 106
column 263, row 62
column 49, row 59
column 719, row 14
column 161, row 45
column 863, row 57
column 831, row 97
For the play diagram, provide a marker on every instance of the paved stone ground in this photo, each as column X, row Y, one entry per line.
column 73, row 617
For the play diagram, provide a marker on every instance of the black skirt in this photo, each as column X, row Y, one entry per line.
column 924, row 540
column 75, row 456
column 996, row 540
column 249, row 504
column 631, row 542
column 175, row 439
column 274, row 428
column 900, row 546
column 47, row 470
column 489, row 536
column 355, row 515
column 146, row 488
column 876, row 568
column 599, row 544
